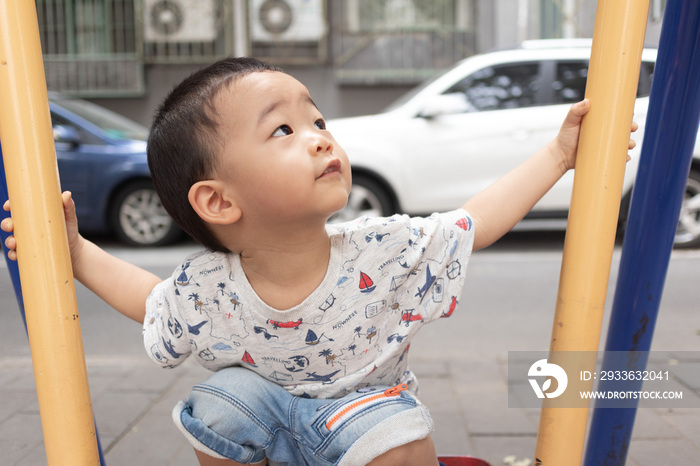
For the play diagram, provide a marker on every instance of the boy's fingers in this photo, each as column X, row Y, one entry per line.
column 68, row 202
column 582, row 107
column 7, row 225
column 635, row 126
column 6, row 205
column 576, row 112
column 10, row 243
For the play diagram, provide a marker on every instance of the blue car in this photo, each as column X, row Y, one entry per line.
column 102, row 161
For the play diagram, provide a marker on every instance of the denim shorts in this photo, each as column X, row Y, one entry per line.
column 237, row 414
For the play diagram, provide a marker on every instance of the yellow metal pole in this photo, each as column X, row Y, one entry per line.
column 43, row 256
column 618, row 40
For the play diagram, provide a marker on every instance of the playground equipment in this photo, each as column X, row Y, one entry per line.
column 52, row 317
column 461, row 461
column 674, row 116
column 618, row 40
column 13, row 269
column 672, row 126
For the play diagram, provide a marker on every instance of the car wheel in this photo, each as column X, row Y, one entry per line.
column 688, row 232
column 367, row 198
column 139, row 219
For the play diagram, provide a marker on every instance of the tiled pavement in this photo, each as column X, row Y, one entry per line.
column 461, row 365
column 468, row 400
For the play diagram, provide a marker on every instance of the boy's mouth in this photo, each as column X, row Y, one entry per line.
column 333, row 167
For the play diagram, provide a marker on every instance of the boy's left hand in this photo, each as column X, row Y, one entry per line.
column 566, row 141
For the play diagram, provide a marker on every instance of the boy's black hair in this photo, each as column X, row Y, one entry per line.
column 183, row 141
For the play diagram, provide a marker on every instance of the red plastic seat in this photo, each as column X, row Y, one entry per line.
column 462, row 461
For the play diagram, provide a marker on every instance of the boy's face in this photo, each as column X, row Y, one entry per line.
column 278, row 158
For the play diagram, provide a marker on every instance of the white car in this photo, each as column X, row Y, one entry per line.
column 454, row 135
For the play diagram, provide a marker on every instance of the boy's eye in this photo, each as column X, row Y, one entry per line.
column 320, row 123
column 283, row 130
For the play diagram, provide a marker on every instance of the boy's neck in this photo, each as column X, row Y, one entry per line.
column 285, row 269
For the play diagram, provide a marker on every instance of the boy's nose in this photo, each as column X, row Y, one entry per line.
column 320, row 145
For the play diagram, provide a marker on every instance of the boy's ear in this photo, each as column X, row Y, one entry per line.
column 213, row 203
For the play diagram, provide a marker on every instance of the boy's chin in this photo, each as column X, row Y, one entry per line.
column 338, row 216
column 337, row 206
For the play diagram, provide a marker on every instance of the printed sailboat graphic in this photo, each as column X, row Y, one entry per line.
column 312, row 339
column 366, row 283
column 248, row 359
column 464, row 223
column 183, row 279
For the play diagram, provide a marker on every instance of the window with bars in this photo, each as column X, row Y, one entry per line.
column 98, row 48
column 90, row 47
column 86, row 27
column 399, row 41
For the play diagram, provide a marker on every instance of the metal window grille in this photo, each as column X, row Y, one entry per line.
column 399, row 41
column 98, row 48
column 90, row 47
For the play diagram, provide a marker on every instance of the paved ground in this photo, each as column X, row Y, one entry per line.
column 461, row 362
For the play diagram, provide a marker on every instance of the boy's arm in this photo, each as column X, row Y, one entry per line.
column 120, row 284
column 499, row 207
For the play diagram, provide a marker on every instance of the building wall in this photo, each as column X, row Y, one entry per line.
column 499, row 24
column 333, row 100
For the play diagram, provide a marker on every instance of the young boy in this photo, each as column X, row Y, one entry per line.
column 306, row 324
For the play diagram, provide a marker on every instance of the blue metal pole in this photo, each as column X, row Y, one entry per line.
column 671, row 131
column 11, row 265
column 14, row 273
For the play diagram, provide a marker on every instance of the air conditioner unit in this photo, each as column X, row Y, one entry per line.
column 287, row 20
column 179, row 21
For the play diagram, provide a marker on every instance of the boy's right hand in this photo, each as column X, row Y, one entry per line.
column 122, row 285
column 74, row 238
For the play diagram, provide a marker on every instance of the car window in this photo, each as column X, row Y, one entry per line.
column 113, row 124
column 499, row 87
column 569, row 84
column 85, row 137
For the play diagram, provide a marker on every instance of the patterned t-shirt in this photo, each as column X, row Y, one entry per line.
column 385, row 278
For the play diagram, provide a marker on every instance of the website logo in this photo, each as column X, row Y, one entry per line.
column 542, row 368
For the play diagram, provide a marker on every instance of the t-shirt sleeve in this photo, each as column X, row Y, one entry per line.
column 439, row 248
column 165, row 334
